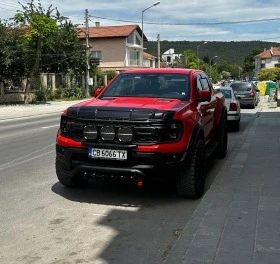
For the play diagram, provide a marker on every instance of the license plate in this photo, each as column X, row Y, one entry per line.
column 111, row 154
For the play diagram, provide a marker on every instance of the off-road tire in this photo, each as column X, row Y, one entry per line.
column 66, row 180
column 191, row 178
column 222, row 139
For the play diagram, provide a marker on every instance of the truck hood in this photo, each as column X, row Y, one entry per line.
column 128, row 108
column 132, row 102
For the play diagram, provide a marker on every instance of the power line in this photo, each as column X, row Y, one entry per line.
column 195, row 23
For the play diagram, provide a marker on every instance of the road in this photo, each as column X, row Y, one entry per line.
column 44, row 222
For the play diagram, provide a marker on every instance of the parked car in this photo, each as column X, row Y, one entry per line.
column 247, row 93
column 233, row 106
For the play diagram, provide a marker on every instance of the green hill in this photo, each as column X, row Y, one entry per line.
column 233, row 51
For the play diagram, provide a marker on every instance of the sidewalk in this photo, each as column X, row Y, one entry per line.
column 238, row 219
column 20, row 111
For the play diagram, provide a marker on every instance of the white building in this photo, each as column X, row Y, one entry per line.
column 170, row 56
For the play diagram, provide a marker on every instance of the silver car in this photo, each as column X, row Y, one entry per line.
column 247, row 93
column 233, row 106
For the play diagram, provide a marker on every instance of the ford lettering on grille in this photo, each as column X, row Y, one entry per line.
column 112, row 154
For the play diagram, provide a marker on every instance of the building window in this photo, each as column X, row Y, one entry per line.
column 130, row 39
column 138, row 40
column 133, row 58
column 168, row 58
column 97, row 54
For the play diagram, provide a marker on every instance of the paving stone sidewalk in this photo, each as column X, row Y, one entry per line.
column 238, row 219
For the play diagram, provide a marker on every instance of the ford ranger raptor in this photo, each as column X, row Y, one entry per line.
column 145, row 124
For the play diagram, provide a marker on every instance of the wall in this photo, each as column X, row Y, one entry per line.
column 113, row 51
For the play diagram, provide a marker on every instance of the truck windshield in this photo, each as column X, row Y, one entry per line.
column 161, row 85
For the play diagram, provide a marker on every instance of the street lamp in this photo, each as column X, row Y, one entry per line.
column 197, row 53
column 156, row 3
column 211, row 66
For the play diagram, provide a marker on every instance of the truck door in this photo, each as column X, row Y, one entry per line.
column 206, row 108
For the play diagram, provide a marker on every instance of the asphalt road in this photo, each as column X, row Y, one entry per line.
column 43, row 222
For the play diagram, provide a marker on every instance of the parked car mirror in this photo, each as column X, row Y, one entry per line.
column 204, row 95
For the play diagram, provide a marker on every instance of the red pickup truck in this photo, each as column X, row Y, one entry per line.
column 146, row 124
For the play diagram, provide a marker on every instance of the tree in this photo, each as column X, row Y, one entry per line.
column 269, row 74
column 188, row 59
column 13, row 53
column 249, row 61
column 41, row 25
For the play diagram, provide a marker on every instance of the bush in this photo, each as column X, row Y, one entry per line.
column 111, row 74
column 74, row 92
column 43, row 94
column 58, row 93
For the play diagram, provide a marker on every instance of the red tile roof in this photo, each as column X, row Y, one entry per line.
column 148, row 56
column 269, row 53
column 109, row 31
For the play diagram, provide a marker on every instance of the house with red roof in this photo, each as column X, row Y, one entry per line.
column 267, row 59
column 117, row 47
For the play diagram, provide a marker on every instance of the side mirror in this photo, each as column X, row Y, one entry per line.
column 204, row 95
column 97, row 91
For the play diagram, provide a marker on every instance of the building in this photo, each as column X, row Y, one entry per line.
column 170, row 57
column 267, row 59
column 117, row 47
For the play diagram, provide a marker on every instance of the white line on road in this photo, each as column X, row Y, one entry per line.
column 24, row 161
column 50, row 126
column 25, row 158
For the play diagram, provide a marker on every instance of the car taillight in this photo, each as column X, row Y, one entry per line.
column 233, row 107
column 252, row 93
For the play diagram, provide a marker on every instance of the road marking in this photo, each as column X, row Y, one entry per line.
column 50, row 126
column 25, row 158
column 24, row 161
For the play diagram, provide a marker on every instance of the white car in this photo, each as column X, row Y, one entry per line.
column 232, row 104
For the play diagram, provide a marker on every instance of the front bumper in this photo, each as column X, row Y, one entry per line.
column 143, row 164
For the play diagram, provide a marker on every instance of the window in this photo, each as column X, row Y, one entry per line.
column 130, row 39
column 138, row 40
column 133, row 58
column 97, row 54
column 163, row 85
column 204, row 84
column 134, row 38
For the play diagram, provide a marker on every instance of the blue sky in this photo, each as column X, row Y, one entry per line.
column 196, row 20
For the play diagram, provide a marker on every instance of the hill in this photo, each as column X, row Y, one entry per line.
column 233, row 51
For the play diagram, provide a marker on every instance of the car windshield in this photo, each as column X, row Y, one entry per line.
column 241, row 87
column 226, row 93
column 161, row 85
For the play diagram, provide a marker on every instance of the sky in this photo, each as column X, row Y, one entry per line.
column 174, row 20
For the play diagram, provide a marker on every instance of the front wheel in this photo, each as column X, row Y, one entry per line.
column 191, row 178
column 65, row 179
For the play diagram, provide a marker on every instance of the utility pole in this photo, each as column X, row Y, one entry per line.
column 158, row 39
column 87, row 53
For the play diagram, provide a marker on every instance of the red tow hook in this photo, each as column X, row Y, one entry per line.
column 140, row 181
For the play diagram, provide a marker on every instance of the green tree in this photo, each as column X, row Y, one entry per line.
column 13, row 53
column 188, row 59
column 249, row 62
column 269, row 74
column 41, row 25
